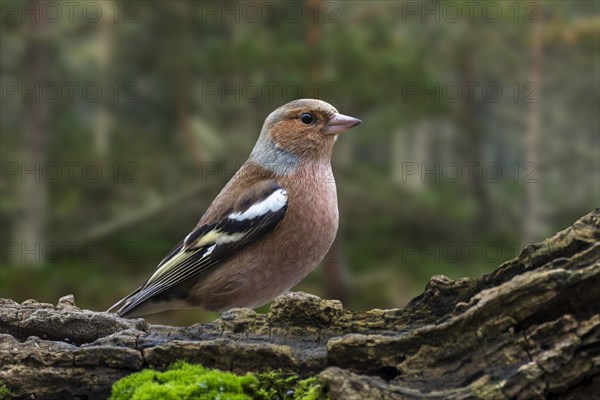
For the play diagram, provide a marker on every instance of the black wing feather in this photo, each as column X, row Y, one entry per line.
column 188, row 260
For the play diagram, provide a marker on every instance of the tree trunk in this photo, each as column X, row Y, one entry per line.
column 468, row 120
column 528, row 330
column 533, row 198
column 103, row 119
column 184, row 86
column 29, row 228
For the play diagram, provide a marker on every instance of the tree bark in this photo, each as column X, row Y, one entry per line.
column 528, row 330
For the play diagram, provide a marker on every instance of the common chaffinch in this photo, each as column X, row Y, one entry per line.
column 272, row 223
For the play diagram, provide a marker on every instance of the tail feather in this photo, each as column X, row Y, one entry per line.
column 131, row 307
column 120, row 306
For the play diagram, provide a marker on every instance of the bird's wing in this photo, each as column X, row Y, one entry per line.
column 251, row 214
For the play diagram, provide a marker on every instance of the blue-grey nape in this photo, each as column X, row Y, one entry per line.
column 273, row 158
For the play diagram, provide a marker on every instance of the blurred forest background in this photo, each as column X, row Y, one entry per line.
column 122, row 120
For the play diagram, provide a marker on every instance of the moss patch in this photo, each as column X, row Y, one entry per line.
column 4, row 392
column 184, row 381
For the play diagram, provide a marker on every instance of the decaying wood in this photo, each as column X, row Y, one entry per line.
column 529, row 330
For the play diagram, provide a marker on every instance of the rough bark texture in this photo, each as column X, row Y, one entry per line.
column 530, row 329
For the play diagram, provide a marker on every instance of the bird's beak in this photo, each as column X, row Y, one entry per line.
column 340, row 123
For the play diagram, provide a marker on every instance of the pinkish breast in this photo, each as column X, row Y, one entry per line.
column 282, row 258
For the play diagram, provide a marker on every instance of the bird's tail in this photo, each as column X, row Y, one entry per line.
column 120, row 307
column 130, row 307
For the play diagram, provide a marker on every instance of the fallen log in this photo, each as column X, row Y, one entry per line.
column 528, row 330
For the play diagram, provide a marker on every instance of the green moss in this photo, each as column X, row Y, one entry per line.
column 4, row 392
column 276, row 385
column 185, row 381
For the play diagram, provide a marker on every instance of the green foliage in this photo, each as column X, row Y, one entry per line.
column 186, row 381
column 4, row 392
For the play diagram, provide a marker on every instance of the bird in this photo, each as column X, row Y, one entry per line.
column 268, row 228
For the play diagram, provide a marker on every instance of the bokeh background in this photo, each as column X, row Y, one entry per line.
column 121, row 120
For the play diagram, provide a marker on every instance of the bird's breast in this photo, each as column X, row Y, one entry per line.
column 283, row 257
column 311, row 220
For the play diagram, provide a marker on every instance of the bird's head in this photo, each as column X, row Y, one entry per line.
column 305, row 129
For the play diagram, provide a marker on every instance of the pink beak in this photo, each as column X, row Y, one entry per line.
column 340, row 123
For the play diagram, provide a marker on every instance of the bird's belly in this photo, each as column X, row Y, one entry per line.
column 279, row 260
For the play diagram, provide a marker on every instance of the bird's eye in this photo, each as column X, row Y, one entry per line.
column 307, row 118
